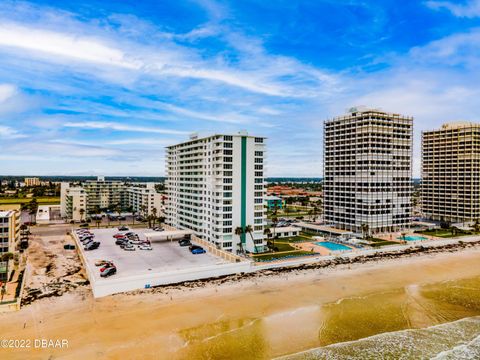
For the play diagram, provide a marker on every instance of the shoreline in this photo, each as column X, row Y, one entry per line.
column 338, row 263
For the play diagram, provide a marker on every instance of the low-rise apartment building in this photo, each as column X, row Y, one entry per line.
column 80, row 200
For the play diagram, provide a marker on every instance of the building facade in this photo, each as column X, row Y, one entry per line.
column 80, row 200
column 9, row 236
column 215, row 185
column 451, row 173
column 368, row 171
column 32, row 181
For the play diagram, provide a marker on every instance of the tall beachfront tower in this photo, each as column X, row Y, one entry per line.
column 368, row 171
column 451, row 172
column 215, row 185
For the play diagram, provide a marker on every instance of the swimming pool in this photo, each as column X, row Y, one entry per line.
column 332, row 246
column 412, row 238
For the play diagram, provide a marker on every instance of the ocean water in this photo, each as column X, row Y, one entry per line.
column 455, row 340
column 435, row 321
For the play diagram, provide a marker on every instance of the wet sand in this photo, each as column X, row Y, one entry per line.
column 252, row 318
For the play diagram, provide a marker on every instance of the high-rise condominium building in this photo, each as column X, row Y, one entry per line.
column 451, row 172
column 367, row 171
column 9, row 234
column 215, row 185
column 79, row 200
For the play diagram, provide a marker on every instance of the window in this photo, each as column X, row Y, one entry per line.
column 259, row 140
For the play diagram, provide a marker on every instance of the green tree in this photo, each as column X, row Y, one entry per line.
column 365, row 231
column 239, row 232
column 249, row 230
column 82, row 212
column 118, row 209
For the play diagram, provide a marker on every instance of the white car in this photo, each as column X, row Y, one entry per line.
column 129, row 248
column 145, row 247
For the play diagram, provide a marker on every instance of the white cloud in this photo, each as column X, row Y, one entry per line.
column 121, row 127
column 6, row 92
column 8, row 133
column 469, row 9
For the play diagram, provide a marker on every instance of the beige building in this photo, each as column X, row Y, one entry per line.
column 80, row 201
column 451, row 172
column 9, row 235
column 32, row 181
column 368, row 171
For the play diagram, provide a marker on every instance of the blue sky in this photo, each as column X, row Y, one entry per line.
column 101, row 87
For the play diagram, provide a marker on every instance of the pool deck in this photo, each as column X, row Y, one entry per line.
column 398, row 235
column 311, row 246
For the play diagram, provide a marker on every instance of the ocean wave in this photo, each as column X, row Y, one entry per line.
column 455, row 340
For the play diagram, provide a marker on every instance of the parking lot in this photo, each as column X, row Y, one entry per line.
column 165, row 256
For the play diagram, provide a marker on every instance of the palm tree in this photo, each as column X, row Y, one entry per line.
column 82, row 212
column 33, row 207
column 134, row 213
column 403, row 237
column 268, row 232
column 118, row 209
column 6, row 257
column 365, row 230
column 154, row 215
column 249, row 230
column 143, row 209
column 239, row 232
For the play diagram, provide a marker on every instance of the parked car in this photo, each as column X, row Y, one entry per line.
column 101, row 262
column 129, row 247
column 118, row 235
column 120, row 241
column 84, row 225
column 125, row 243
column 197, row 250
column 87, row 242
column 109, row 264
column 123, row 228
column 184, row 242
column 108, row 271
column 139, row 218
column 66, row 246
column 92, row 246
column 157, row 229
column 145, row 247
column 136, row 241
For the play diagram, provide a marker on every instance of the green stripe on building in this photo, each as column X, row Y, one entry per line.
column 243, row 210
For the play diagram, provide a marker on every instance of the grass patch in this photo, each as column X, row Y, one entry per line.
column 40, row 200
column 383, row 243
column 283, row 246
column 444, row 233
column 275, row 256
column 293, row 239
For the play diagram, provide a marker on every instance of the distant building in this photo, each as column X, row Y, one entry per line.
column 273, row 202
column 368, row 171
column 9, row 236
column 285, row 231
column 215, row 185
column 78, row 201
column 451, row 173
column 32, row 181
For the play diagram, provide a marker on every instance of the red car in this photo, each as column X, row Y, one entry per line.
column 116, row 236
column 106, row 266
